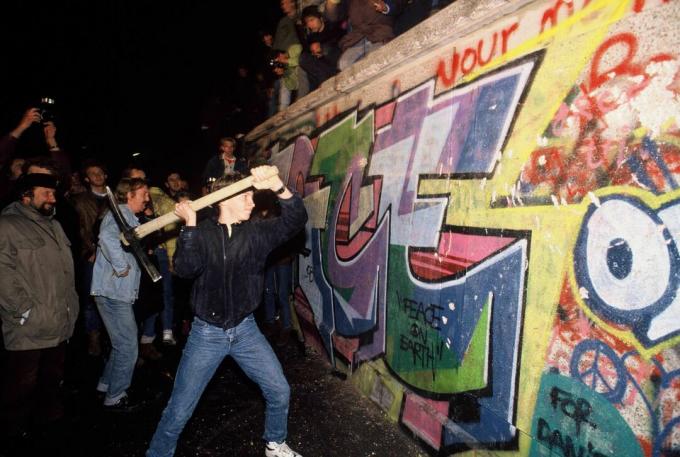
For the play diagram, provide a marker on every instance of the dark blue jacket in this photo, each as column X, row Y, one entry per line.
column 214, row 168
column 229, row 271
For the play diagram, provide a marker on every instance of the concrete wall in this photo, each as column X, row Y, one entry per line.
column 494, row 226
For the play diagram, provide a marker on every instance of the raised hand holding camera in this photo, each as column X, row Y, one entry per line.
column 30, row 117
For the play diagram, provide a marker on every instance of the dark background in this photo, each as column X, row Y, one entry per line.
column 130, row 76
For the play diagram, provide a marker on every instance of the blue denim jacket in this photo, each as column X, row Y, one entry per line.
column 112, row 260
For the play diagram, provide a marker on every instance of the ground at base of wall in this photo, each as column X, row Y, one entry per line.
column 328, row 415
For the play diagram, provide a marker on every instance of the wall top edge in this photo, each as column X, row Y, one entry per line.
column 450, row 24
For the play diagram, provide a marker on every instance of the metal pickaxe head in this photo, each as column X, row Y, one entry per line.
column 129, row 239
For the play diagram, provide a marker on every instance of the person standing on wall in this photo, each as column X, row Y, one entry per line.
column 225, row 162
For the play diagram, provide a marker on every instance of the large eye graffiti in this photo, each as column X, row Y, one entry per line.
column 627, row 264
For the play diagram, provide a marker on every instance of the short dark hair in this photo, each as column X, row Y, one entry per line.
column 89, row 163
column 230, row 139
column 226, row 180
column 127, row 171
column 172, row 172
column 126, row 185
column 182, row 194
column 222, row 182
column 311, row 10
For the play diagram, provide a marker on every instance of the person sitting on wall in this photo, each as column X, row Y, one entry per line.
column 370, row 26
column 320, row 57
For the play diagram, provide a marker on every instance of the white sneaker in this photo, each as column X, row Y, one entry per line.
column 279, row 450
column 169, row 338
column 102, row 388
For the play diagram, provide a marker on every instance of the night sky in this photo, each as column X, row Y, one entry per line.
column 128, row 76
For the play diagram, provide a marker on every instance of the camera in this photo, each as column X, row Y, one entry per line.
column 276, row 64
column 46, row 108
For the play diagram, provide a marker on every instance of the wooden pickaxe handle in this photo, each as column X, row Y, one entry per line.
column 169, row 218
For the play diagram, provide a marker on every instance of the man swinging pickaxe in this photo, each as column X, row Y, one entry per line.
column 132, row 237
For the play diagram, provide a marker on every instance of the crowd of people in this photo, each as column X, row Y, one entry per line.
column 313, row 41
column 64, row 269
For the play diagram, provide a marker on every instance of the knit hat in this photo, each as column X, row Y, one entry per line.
column 27, row 182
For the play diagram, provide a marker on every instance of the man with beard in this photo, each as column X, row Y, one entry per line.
column 38, row 306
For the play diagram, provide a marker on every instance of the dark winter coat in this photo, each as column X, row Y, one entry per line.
column 36, row 275
column 229, row 270
column 215, row 168
column 366, row 22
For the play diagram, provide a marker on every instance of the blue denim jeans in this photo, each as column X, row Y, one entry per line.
column 119, row 320
column 149, row 326
column 273, row 106
column 277, row 281
column 285, row 96
column 90, row 314
column 206, row 347
column 356, row 52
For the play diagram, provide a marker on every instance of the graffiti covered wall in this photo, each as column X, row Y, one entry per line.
column 495, row 227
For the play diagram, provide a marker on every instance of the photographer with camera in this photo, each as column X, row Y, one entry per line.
column 47, row 118
column 286, row 66
column 292, row 78
column 43, row 115
column 13, row 152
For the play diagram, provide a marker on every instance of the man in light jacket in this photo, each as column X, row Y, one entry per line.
column 115, row 286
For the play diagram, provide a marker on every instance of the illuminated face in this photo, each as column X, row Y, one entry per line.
column 137, row 173
column 174, row 182
column 238, row 208
column 95, row 176
column 138, row 199
column 288, row 7
column 313, row 23
column 43, row 200
column 227, row 149
column 16, row 166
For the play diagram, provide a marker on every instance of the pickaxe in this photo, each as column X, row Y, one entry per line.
column 132, row 236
